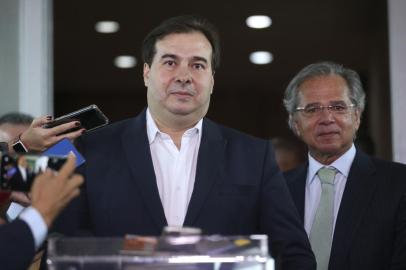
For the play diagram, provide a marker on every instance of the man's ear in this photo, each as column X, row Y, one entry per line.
column 295, row 126
column 146, row 74
column 357, row 115
column 212, row 84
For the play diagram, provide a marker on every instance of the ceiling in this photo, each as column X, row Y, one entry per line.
column 302, row 32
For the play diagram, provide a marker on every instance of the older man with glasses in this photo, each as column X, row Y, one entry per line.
column 353, row 206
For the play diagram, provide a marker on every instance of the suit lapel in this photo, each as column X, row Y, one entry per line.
column 138, row 156
column 297, row 184
column 358, row 192
column 211, row 155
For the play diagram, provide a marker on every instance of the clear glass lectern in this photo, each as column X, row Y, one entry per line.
column 165, row 252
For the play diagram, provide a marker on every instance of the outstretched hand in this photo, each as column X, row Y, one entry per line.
column 37, row 138
column 51, row 191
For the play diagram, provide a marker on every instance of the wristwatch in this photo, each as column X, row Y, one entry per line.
column 19, row 147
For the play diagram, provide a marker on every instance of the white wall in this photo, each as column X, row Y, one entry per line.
column 26, row 74
column 9, row 83
column 397, row 59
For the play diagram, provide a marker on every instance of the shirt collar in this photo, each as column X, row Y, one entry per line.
column 342, row 164
column 153, row 130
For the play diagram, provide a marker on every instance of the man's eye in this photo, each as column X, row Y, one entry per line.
column 198, row 66
column 338, row 108
column 170, row 63
column 312, row 109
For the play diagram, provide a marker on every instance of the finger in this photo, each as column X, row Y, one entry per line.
column 20, row 197
column 39, row 122
column 74, row 193
column 38, row 181
column 48, row 173
column 68, row 167
column 64, row 127
column 75, row 181
column 72, row 135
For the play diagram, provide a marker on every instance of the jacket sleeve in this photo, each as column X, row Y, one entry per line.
column 16, row 245
column 289, row 244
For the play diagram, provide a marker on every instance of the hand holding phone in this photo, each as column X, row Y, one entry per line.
column 51, row 192
column 37, row 138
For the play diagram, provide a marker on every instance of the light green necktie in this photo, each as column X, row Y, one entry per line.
column 322, row 229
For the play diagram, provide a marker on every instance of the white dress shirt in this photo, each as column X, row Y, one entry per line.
column 175, row 169
column 313, row 186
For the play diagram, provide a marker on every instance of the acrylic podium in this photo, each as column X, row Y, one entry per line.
column 164, row 252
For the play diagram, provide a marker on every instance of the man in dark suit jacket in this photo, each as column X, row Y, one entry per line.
column 22, row 176
column 171, row 166
column 325, row 102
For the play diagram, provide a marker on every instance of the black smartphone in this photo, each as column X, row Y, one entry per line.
column 18, row 171
column 90, row 118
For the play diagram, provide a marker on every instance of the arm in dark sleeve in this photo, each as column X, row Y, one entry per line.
column 399, row 249
column 17, row 247
column 280, row 220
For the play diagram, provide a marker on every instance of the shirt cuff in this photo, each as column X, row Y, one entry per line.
column 36, row 223
column 14, row 210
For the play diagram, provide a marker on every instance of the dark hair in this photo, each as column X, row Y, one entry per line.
column 182, row 24
column 16, row 118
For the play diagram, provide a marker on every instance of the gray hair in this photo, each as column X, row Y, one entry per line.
column 291, row 97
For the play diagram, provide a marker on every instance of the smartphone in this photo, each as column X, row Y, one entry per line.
column 18, row 171
column 90, row 118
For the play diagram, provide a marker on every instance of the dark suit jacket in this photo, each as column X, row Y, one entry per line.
column 370, row 231
column 17, row 248
column 238, row 190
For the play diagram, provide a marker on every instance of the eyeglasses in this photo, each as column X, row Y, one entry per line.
column 313, row 110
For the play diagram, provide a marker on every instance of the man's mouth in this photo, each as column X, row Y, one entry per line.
column 182, row 93
column 328, row 134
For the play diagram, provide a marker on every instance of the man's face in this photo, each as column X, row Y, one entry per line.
column 22, row 162
column 328, row 134
column 180, row 78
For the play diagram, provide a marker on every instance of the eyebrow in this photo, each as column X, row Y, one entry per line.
column 168, row 55
column 198, row 58
column 173, row 56
column 333, row 102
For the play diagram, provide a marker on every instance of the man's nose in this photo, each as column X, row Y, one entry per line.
column 184, row 75
column 327, row 115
